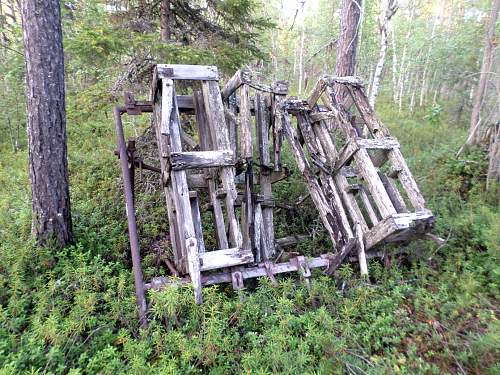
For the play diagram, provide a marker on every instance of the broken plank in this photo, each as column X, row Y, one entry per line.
column 211, row 260
column 187, row 72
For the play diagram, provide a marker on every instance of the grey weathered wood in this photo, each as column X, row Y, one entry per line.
column 394, row 194
column 346, row 154
column 188, row 72
column 386, row 143
column 234, row 83
column 259, row 230
column 327, row 216
column 181, row 191
column 206, row 144
column 225, row 258
column 246, row 124
column 201, row 159
column 406, row 179
column 368, row 205
column 262, row 123
column 322, row 116
column 316, row 92
column 217, row 125
column 195, row 212
column 177, row 246
column 363, row 266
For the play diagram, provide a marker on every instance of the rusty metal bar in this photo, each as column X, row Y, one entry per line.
column 132, row 224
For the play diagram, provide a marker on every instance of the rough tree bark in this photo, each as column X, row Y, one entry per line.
column 489, row 46
column 389, row 9
column 347, row 43
column 165, row 20
column 48, row 164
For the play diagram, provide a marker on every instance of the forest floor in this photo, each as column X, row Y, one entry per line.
column 72, row 311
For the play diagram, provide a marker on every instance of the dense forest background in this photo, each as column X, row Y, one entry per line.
column 72, row 310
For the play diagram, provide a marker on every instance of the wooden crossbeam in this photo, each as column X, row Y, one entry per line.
column 201, row 159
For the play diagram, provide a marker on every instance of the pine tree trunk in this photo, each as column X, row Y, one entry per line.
column 347, row 43
column 165, row 20
column 43, row 48
column 489, row 45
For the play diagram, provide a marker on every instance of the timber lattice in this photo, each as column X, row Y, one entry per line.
column 355, row 173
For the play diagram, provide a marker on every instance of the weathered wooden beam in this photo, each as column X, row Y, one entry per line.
column 187, row 72
column 201, row 159
column 346, row 154
column 217, row 124
column 322, row 116
column 262, row 123
column 210, row 175
column 211, row 260
column 181, row 190
column 387, row 143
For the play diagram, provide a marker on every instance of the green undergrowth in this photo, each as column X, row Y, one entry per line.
column 72, row 311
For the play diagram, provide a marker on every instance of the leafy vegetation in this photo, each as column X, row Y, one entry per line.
column 72, row 311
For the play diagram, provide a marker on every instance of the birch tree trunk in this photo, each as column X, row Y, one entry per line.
column 489, row 46
column 389, row 11
column 48, row 164
column 437, row 20
column 347, row 43
column 403, row 67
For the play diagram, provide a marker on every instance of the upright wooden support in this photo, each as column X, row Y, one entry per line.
column 217, row 124
column 172, row 143
column 262, row 120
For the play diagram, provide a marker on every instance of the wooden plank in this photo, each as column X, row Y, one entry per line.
column 386, row 228
column 387, row 143
column 201, row 159
column 177, row 246
column 322, row 116
column 346, row 154
column 363, row 266
column 185, row 103
column 235, row 82
column 210, row 176
column 374, row 184
column 181, row 193
column 327, row 216
column 225, row 258
column 217, row 125
column 406, row 179
column 394, row 194
column 259, row 230
column 246, row 124
column 368, row 206
column 367, row 114
column 187, row 72
column 316, row 92
column 195, row 212
column 262, row 123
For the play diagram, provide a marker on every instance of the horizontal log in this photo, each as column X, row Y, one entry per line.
column 291, row 240
column 225, row 258
column 387, row 143
column 188, row 72
column 201, row 159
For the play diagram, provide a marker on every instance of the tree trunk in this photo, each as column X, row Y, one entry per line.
column 48, row 164
column 388, row 12
column 489, row 45
column 347, row 43
column 165, row 20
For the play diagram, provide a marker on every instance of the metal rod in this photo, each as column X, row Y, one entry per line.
column 132, row 225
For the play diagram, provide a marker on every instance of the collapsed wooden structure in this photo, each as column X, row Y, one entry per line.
column 355, row 173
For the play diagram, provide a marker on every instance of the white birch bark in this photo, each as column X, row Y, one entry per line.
column 388, row 11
